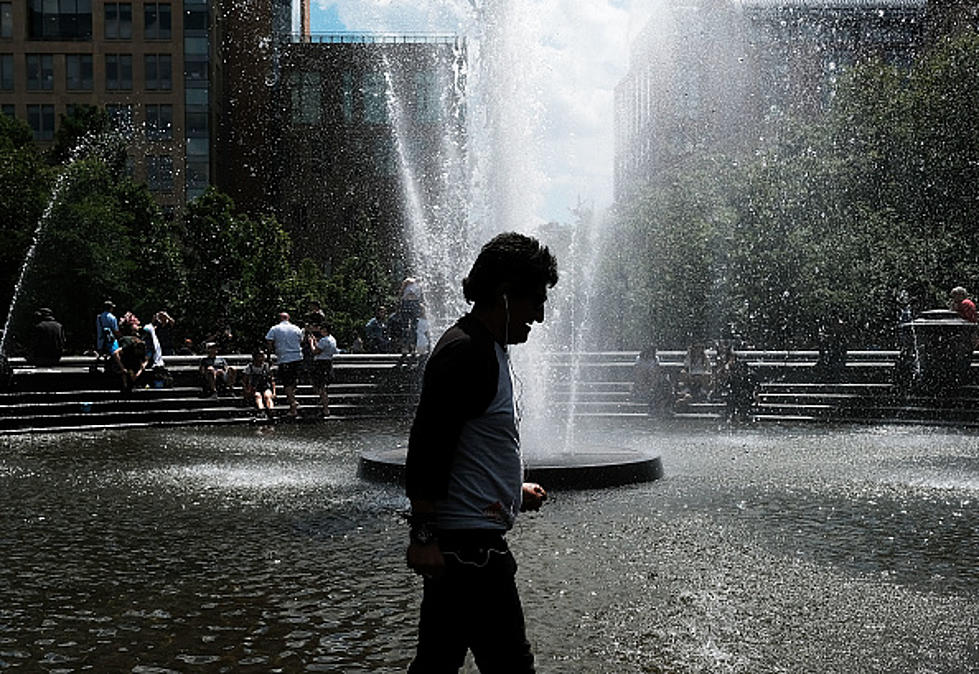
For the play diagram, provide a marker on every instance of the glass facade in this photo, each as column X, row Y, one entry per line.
column 158, row 72
column 78, row 72
column 375, row 98
column 59, row 19
column 159, row 173
column 196, row 97
column 6, row 19
column 40, row 72
column 6, row 72
column 157, row 21
column 159, row 122
column 118, row 21
column 307, row 106
column 121, row 115
column 119, row 72
column 41, row 120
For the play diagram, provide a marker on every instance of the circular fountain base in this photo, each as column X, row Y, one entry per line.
column 578, row 470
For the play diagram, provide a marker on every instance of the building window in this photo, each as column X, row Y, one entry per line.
column 159, row 72
column 347, row 97
column 59, row 19
column 195, row 59
column 8, row 109
column 120, row 114
column 384, row 157
column 41, row 120
column 375, row 98
column 159, row 173
column 6, row 19
column 157, row 21
column 118, row 72
column 427, row 97
column 306, row 104
column 78, row 72
column 7, row 72
column 195, row 18
column 159, row 122
column 118, row 21
column 40, row 72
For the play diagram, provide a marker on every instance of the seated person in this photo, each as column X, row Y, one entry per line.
column 215, row 373
column 960, row 303
column 695, row 376
column 47, row 341
column 651, row 384
column 129, row 357
column 258, row 384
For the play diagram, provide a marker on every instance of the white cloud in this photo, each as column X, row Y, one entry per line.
column 566, row 54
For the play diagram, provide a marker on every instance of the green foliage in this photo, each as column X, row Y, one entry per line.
column 829, row 222
column 84, row 250
column 25, row 181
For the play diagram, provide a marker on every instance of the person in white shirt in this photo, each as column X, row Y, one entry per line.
column 323, row 352
column 286, row 340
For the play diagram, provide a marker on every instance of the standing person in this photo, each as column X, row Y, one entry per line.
column 323, row 351
column 47, row 339
column 287, row 340
column 164, row 333
column 154, row 349
column 107, row 330
column 409, row 311
column 464, row 472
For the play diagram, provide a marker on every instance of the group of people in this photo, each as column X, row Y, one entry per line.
column 309, row 349
column 726, row 379
column 298, row 351
column 133, row 350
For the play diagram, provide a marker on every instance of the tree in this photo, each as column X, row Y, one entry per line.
column 25, row 184
column 237, row 269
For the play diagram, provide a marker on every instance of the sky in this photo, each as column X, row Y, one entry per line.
column 580, row 52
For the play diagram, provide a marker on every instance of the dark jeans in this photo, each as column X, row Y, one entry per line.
column 473, row 606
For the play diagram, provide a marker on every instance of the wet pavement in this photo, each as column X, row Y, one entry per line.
column 770, row 549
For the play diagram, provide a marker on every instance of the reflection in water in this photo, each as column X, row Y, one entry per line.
column 763, row 550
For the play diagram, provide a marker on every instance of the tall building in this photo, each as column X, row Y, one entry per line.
column 251, row 38
column 323, row 131
column 146, row 62
column 715, row 75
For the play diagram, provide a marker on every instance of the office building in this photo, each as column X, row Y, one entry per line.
column 146, row 62
column 718, row 75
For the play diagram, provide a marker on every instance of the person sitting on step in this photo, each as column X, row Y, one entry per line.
column 216, row 375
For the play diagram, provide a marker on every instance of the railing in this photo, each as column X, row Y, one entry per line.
column 377, row 38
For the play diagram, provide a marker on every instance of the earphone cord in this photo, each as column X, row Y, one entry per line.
column 514, row 379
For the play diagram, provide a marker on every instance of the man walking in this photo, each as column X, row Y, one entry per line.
column 287, row 340
column 464, row 472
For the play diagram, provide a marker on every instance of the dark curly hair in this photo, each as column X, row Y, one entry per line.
column 509, row 262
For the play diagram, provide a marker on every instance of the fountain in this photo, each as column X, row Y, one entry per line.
column 505, row 189
column 259, row 549
column 102, row 144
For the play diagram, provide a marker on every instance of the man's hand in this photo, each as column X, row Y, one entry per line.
column 533, row 496
column 426, row 560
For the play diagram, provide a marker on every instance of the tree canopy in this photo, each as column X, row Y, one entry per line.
column 830, row 222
